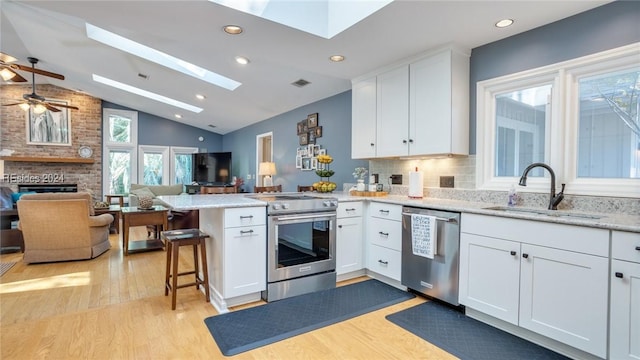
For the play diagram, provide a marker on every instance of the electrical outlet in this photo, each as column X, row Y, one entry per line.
column 396, row 179
column 446, row 181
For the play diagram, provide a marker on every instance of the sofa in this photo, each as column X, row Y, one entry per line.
column 62, row 227
column 188, row 219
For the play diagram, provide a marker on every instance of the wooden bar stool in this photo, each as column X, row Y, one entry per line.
column 174, row 239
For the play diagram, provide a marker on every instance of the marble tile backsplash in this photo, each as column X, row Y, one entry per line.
column 463, row 169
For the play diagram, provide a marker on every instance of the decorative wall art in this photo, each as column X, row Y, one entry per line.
column 49, row 128
column 308, row 132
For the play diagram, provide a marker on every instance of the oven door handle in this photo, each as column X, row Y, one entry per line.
column 437, row 218
column 303, row 217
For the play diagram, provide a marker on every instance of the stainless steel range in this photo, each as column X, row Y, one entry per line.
column 301, row 244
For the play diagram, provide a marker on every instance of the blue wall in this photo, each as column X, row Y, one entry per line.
column 154, row 130
column 603, row 28
column 334, row 115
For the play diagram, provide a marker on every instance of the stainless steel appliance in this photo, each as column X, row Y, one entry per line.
column 437, row 277
column 301, row 244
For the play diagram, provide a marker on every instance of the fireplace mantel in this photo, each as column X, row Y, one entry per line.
column 47, row 159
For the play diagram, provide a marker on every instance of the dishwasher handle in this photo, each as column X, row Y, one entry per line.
column 437, row 218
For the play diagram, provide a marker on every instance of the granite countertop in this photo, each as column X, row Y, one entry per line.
column 620, row 222
column 193, row 202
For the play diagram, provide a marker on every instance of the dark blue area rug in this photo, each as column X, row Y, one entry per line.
column 251, row 328
column 465, row 337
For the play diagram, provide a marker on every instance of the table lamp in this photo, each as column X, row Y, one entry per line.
column 267, row 169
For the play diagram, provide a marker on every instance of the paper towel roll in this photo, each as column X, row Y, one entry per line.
column 415, row 184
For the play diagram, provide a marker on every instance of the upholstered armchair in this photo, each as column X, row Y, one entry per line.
column 61, row 227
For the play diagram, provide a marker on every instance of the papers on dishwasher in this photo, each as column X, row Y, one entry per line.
column 423, row 235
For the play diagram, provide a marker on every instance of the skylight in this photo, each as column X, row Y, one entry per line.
column 325, row 18
column 158, row 57
column 145, row 93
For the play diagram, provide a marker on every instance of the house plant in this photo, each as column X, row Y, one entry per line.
column 359, row 174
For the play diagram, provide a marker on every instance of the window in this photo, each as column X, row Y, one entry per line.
column 120, row 134
column 580, row 117
column 182, row 164
column 166, row 165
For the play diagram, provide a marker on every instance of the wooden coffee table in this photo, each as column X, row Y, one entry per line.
column 133, row 216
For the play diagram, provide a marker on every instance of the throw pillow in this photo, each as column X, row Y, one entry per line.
column 143, row 192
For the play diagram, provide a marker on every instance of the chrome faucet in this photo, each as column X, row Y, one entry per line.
column 554, row 199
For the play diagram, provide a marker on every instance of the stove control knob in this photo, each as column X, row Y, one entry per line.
column 276, row 206
column 330, row 203
column 285, row 206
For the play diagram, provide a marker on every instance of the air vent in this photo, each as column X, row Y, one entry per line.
column 211, row 126
column 300, row 83
column 143, row 76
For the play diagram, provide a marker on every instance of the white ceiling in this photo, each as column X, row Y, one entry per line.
column 54, row 32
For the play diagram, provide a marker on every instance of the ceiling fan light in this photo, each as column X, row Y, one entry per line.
column 39, row 109
column 7, row 74
column 25, row 106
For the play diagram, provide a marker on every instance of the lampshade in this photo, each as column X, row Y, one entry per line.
column 267, row 168
column 7, row 74
column 224, row 172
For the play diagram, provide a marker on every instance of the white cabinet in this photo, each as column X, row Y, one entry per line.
column 349, row 238
column 624, row 334
column 548, row 278
column 384, row 240
column 235, row 254
column 363, row 119
column 420, row 107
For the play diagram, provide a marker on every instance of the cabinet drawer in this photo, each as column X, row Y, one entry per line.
column 246, row 216
column 625, row 246
column 385, row 261
column 386, row 233
column 385, row 211
column 349, row 209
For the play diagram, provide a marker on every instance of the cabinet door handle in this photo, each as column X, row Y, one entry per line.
column 372, row 144
column 526, row 256
column 513, row 253
column 411, row 141
column 404, row 141
column 246, row 217
column 619, row 275
column 383, row 262
column 352, row 209
column 383, row 233
column 638, row 248
column 246, row 231
column 384, row 211
column 339, row 226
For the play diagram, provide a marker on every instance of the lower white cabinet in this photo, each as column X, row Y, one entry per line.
column 624, row 334
column 384, row 239
column 548, row 278
column 349, row 238
column 235, row 254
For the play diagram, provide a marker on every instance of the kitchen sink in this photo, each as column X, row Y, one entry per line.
column 552, row 213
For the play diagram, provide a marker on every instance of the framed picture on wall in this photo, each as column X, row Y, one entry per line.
column 318, row 131
column 306, row 163
column 312, row 137
column 312, row 120
column 304, row 139
column 302, row 127
column 49, row 128
column 298, row 162
column 314, row 163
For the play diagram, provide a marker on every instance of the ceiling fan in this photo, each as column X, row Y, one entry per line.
column 35, row 101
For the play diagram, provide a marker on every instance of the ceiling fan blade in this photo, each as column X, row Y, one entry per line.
column 51, row 108
column 47, row 104
column 12, row 104
column 36, row 71
column 6, row 58
column 16, row 77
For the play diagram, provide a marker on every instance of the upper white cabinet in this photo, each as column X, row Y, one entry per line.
column 420, row 107
column 363, row 119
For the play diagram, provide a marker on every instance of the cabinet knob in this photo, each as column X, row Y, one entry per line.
column 526, row 256
column 513, row 253
column 619, row 275
column 638, row 248
column 411, row 141
column 339, row 226
column 383, row 262
column 383, row 233
column 404, row 141
column 372, row 144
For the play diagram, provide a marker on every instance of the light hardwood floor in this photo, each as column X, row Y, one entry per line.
column 113, row 307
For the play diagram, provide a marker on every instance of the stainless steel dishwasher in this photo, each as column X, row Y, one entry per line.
column 437, row 277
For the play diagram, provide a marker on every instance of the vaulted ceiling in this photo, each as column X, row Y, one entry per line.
column 55, row 32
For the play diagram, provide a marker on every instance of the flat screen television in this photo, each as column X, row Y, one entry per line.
column 212, row 168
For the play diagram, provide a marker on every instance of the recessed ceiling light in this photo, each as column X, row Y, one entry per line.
column 336, row 58
column 158, row 57
column 145, row 93
column 232, row 29
column 504, row 23
column 178, row 116
column 200, row 97
column 242, row 60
